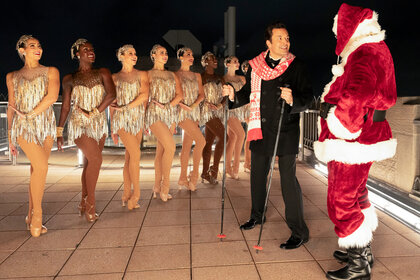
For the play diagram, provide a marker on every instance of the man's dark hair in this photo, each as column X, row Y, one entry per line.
column 269, row 30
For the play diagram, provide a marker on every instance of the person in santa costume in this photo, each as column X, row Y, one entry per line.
column 354, row 133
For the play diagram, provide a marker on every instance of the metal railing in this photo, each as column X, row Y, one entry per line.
column 149, row 141
column 310, row 128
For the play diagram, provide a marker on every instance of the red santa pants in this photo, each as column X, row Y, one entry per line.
column 347, row 196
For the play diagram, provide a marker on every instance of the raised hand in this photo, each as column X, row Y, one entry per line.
column 286, row 94
column 229, row 91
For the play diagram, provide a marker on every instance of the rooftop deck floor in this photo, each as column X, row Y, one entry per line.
column 177, row 239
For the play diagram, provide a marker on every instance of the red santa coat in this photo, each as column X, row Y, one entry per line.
column 363, row 82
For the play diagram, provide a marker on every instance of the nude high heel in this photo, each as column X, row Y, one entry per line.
column 183, row 183
column 165, row 197
column 207, row 177
column 28, row 223
column 156, row 190
column 90, row 217
column 125, row 198
column 132, row 203
column 192, row 184
column 36, row 224
column 213, row 173
column 82, row 207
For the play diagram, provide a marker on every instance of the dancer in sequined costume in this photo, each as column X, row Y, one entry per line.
column 212, row 116
column 127, row 119
column 235, row 131
column 165, row 93
column 88, row 91
column 189, row 116
column 32, row 91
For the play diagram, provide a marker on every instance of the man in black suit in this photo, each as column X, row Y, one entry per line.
column 274, row 75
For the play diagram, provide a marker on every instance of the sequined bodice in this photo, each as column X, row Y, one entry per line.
column 131, row 120
column 190, row 91
column 30, row 87
column 213, row 92
column 88, row 93
column 189, row 87
column 162, row 86
column 88, row 90
column 127, row 91
column 237, row 85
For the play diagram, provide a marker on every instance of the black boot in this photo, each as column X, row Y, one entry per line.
column 357, row 266
column 342, row 256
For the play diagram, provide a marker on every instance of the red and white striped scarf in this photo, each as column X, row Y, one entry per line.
column 261, row 71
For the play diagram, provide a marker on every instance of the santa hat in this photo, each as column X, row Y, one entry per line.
column 349, row 18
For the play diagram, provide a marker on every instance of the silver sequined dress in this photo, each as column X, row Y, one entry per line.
column 30, row 87
column 212, row 94
column 131, row 120
column 190, row 90
column 162, row 88
column 88, row 93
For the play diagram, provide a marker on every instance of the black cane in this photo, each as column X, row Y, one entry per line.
column 221, row 235
column 273, row 159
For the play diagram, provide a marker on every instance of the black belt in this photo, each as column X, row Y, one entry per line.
column 378, row 115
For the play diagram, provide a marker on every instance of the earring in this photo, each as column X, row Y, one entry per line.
column 24, row 53
column 78, row 57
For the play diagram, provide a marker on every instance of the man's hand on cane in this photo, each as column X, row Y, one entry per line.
column 286, row 94
column 229, row 91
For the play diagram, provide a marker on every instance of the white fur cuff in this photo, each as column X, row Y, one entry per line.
column 360, row 238
column 336, row 128
column 370, row 217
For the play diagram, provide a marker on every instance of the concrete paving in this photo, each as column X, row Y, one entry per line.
column 176, row 239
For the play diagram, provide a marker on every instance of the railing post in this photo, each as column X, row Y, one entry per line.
column 301, row 155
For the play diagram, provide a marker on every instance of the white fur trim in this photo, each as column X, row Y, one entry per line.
column 360, row 238
column 338, row 129
column 319, row 126
column 354, row 152
column 334, row 29
column 370, row 217
column 337, row 70
column 368, row 31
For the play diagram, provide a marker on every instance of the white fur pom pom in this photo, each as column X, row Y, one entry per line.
column 337, row 70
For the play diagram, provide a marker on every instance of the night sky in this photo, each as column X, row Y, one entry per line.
column 109, row 24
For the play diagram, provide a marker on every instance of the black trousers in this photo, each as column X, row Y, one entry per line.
column 292, row 193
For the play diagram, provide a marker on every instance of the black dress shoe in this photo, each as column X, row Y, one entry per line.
column 250, row 224
column 293, row 243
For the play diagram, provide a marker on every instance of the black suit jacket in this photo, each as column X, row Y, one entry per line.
column 296, row 76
